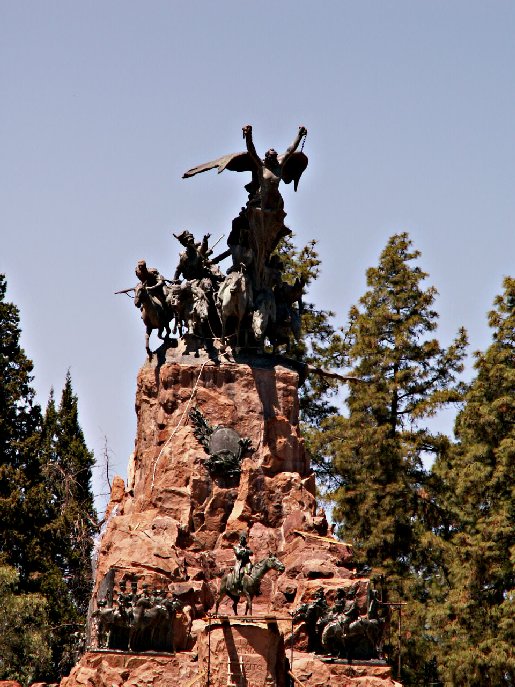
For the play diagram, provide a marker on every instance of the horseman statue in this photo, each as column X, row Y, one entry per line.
column 243, row 564
column 194, row 262
column 154, row 284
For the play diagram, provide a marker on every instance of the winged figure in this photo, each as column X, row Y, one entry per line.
column 266, row 172
column 262, row 220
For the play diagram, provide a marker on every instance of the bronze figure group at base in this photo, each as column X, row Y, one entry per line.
column 137, row 621
column 341, row 630
column 252, row 303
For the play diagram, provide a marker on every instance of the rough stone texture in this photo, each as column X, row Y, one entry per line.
column 174, row 526
column 110, row 669
column 242, row 654
column 308, row 669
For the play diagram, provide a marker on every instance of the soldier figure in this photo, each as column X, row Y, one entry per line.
column 125, row 599
column 194, row 262
column 243, row 565
column 154, row 283
column 134, row 592
column 339, row 603
column 145, row 598
column 351, row 609
column 316, row 615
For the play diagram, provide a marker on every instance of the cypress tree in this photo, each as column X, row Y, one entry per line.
column 70, row 525
column 475, row 618
column 20, row 419
column 383, row 501
column 47, row 517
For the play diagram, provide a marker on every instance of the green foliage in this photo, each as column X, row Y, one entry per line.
column 475, row 618
column 383, row 495
column 47, row 518
column 19, row 415
column 20, row 419
column 316, row 344
column 64, row 558
column 24, row 631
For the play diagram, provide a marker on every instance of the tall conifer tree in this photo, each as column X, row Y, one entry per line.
column 20, row 419
column 476, row 617
column 383, row 502
column 71, row 522
column 47, row 517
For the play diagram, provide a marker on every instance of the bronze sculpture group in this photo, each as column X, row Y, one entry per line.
column 252, row 303
column 137, row 621
column 341, row 630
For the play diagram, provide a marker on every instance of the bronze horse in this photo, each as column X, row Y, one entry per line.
column 249, row 585
column 234, row 300
column 336, row 640
column 153, row 314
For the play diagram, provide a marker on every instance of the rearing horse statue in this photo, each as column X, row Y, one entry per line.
column 249, row 585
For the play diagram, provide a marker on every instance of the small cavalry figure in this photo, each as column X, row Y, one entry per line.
column 137, row 622
column 244, row 579
column 341, row 630
column 150, row 298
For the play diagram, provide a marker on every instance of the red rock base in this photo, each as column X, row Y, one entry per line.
column 239, row 653
column 113, row 669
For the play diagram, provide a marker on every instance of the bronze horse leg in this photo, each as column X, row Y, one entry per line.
column 147, row 341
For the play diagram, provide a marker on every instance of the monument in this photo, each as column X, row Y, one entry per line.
column 215, row 565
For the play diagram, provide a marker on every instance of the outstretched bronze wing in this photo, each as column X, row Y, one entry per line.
column 236, row 162
column 293, row 168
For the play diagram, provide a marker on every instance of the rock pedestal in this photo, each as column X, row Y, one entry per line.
column 235, row 653
column 174, row 524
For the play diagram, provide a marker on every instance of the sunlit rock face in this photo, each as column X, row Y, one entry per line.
column 173, row 526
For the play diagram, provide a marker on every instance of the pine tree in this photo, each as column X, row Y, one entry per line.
column 315, row 346
column 70, row 524
column 24, row 650
column 20, row 419
column 476, row 617
column 383, row 501
column 47, row 517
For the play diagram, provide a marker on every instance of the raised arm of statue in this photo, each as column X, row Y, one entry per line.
column 204, row 246
column 295, row 144
column 247, row 135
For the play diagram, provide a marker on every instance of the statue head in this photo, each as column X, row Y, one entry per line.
column 243, row 539
column 271, row 156
column 141, row 270
column 185, row 238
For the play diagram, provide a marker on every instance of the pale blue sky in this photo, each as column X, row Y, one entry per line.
column 410, row 108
